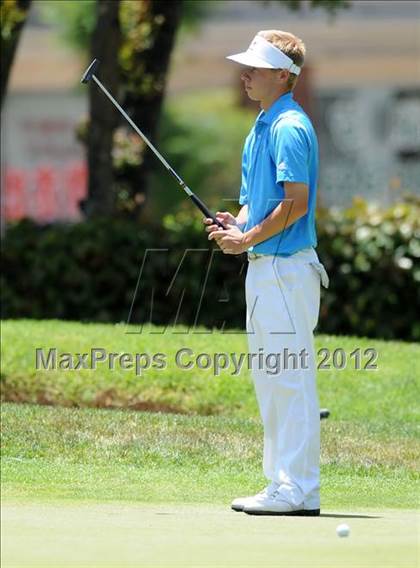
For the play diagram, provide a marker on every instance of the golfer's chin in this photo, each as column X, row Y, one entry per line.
column 251, row 95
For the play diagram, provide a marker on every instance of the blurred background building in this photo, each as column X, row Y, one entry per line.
column 361, row 86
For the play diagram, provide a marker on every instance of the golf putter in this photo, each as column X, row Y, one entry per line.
column 90, row 74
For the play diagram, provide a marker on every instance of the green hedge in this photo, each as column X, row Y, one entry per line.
column 89, row 272
column 372, row 257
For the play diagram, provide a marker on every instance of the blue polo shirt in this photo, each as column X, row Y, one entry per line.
column 282, row 146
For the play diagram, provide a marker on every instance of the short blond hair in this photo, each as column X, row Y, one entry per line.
column 291, row 45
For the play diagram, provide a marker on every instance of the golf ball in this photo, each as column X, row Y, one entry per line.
column 343, row 530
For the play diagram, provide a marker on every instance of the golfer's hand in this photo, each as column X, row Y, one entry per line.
column 231, row 240
column 224, row 217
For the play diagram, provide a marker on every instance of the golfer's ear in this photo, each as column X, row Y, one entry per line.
column 282, row 76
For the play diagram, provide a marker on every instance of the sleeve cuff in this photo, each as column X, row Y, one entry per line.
column 282, row 177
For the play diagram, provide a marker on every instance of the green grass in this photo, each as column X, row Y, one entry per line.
column 85, row 486
column 383, row 397
column 110, row 455
column 211, row 450
column 127, row 535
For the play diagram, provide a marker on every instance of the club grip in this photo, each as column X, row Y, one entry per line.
column 203, row 208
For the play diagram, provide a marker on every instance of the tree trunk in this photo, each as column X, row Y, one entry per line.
column 156, row 24
column 13, row 18
column 104, row 117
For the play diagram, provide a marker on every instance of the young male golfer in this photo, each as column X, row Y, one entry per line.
column 276, row 226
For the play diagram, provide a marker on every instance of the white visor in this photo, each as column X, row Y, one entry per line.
column 262, row 53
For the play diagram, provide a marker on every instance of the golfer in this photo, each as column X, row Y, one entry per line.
column 276, row 227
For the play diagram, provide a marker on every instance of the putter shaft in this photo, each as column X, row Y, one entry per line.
column 90, row 74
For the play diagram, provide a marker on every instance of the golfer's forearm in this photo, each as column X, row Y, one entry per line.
column 284, row 215
column 242, row 216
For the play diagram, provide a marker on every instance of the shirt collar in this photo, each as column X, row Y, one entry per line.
column 281, row 104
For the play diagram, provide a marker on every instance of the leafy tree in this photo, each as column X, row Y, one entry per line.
column 104, row 117
column 150, row 29
column 13, row 18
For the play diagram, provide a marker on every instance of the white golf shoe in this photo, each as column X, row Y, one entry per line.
column 240, row 503
column 276, row 504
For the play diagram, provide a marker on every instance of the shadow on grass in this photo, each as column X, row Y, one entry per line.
column 348, row 516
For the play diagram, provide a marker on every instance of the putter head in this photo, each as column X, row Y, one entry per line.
column 87, row 75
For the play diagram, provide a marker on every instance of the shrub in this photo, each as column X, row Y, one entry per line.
column 372, row 257
column 90, row 272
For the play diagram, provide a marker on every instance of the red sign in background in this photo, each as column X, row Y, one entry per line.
column 45, row 193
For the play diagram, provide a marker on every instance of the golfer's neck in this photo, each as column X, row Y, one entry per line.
column 266, row 103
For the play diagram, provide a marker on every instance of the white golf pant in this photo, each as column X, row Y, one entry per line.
column 283, row 298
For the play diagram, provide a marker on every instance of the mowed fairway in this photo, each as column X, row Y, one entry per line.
column 146, row 535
